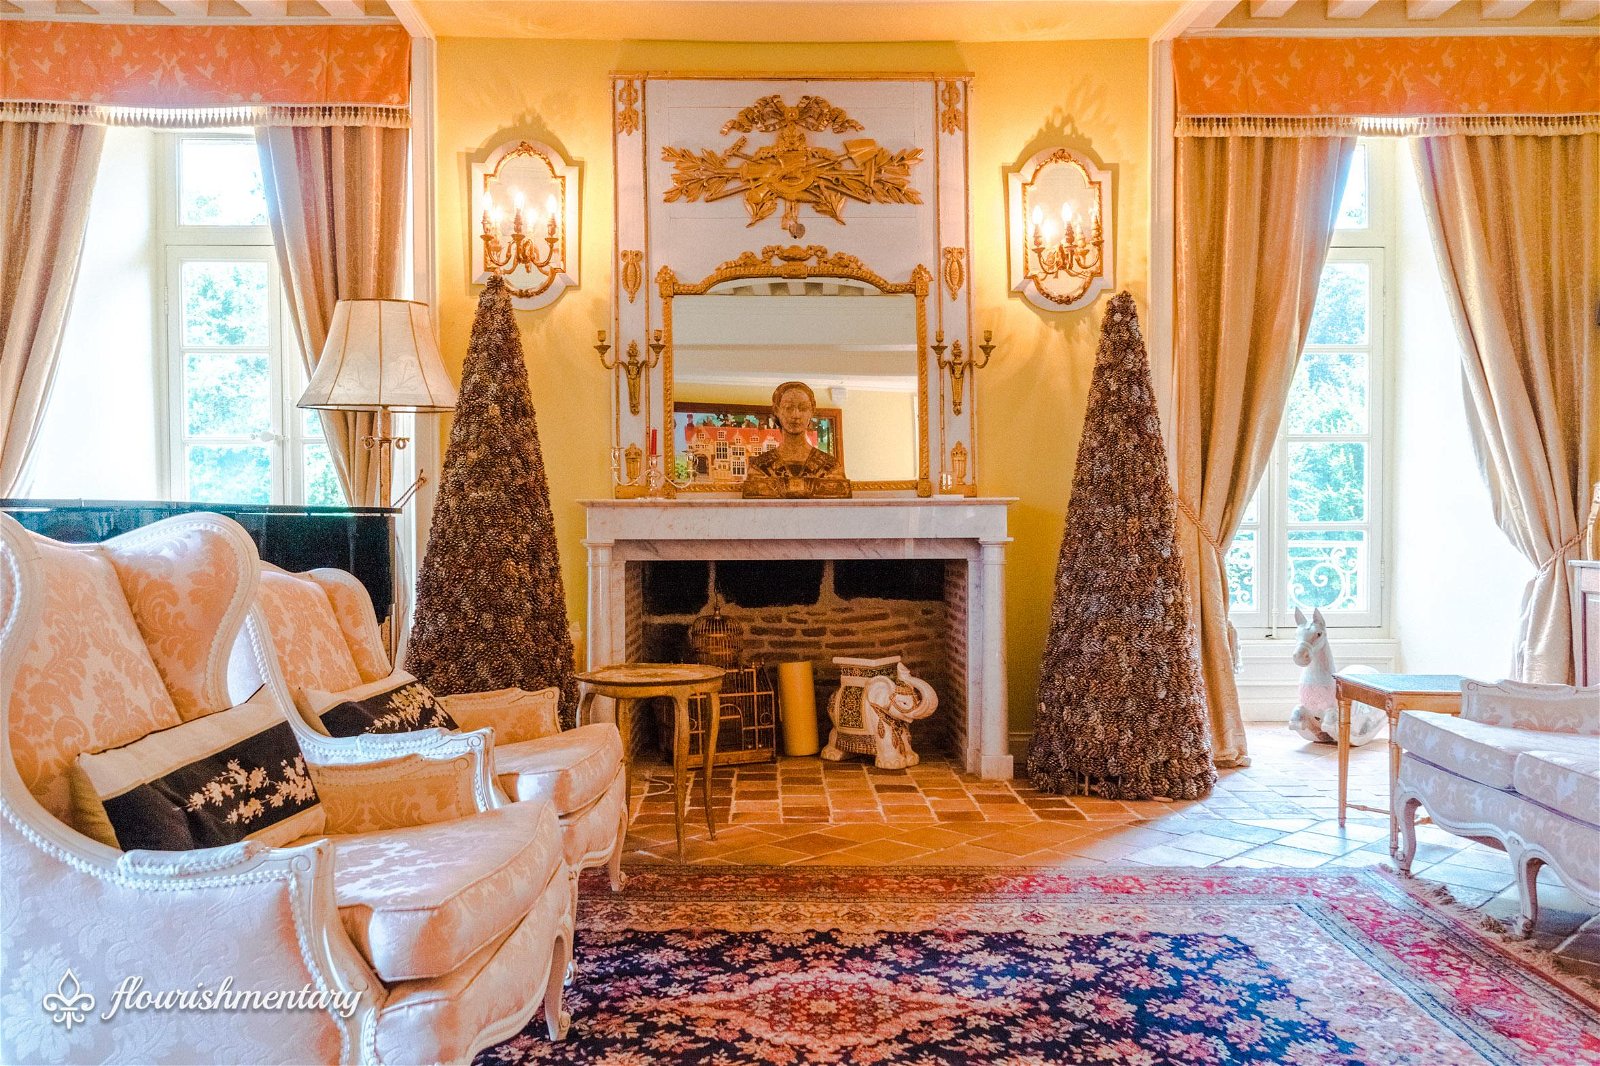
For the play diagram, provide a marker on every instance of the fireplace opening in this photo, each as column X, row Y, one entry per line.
column 812, row 610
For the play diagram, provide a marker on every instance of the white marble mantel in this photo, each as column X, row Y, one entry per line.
column 974, row 530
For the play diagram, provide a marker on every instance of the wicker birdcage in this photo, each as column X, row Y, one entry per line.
column 747, row 729
column 715, row 640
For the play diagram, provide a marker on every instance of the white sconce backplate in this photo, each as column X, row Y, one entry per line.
column 525, row 222
column 1061, row 241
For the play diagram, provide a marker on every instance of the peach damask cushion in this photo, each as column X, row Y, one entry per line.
column 352, row 608
column 86, row 681
column 180, row 587
column 311, row 651
column 419, row 902
column 571, row 769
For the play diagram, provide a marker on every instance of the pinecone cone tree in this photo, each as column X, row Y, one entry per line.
column 491, row 611
column 1121, row 704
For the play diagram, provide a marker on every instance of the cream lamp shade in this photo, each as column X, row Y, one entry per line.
column 380, row 356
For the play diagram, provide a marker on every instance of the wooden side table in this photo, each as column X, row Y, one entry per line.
column 1393, row 693
column 628, row 683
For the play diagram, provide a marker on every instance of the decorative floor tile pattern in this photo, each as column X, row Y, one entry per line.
column 1279, row 812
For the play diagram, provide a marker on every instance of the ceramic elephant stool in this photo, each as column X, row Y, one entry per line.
column 872, row 712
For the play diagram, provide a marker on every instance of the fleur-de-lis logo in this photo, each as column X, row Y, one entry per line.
column 69, row 1004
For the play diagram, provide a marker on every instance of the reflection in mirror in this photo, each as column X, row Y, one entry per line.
column 855, row 346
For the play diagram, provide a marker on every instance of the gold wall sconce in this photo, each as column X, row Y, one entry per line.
column 1061, row 240
column 957, row 363
column 633, row 365
column 525, row 202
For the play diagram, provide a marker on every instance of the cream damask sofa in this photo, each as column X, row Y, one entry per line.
column 1519, row 770
column 440, row 915
column 329, row 648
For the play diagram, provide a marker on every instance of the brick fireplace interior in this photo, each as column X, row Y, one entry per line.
column 814, row 610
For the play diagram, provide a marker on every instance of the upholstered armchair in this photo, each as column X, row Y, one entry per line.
column 1518, row 770
column 431, row 922
column 329, row 650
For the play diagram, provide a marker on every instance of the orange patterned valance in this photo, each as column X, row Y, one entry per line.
column 1387, row 84
column 95, row 72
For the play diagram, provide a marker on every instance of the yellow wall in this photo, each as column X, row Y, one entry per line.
column 1087, row 94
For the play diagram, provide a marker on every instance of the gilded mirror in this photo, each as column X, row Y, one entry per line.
column 795, row 313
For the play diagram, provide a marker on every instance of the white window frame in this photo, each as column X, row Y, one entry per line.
column 1373, row 245
column 286, row 438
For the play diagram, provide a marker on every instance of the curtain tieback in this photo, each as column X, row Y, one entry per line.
column 1566, row 548
column 1189, row 513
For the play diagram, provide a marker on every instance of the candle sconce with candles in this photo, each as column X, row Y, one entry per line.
column 525, row 201
column 1061, row 241
column 957, row 363
column 633, row 365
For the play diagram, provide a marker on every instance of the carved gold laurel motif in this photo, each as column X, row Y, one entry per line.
column 951, row 118
column 632, row 273
column 628, row 114
column 790, row 170
column 955, row 270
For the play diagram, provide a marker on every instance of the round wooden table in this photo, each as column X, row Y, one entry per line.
column 628, row 683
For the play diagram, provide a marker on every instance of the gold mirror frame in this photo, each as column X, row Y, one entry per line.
column 792, row 263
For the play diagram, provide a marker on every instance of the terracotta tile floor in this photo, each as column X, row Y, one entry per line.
column 1278, row 812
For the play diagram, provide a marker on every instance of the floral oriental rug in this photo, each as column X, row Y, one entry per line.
column 945, row 967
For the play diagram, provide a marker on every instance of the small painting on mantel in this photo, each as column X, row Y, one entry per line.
column 714, row 441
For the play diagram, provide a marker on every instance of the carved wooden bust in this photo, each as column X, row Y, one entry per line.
column 795, row 469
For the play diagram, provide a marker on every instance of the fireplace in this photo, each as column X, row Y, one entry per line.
column 816, row 610
column 812, row 579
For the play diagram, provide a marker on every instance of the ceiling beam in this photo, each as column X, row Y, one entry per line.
column 187, row 9
column 1349, row 9
column 411, row 18
column 1427, row 9
column 344, row 9
column 265, row 9
column 1504, row 9
column 1193, row 16
column 1579, row 10
column 111, row 7
column 1269, row 9
column 36, row 7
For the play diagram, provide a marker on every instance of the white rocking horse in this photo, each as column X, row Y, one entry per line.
column 1317, row 716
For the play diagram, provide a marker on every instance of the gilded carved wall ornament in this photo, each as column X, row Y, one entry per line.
column 951, row 119
column 628, row 112
column 790, row 170
column 632, row 273
column 955, row 270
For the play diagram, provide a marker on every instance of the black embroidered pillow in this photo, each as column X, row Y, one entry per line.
column 230, row 776
column 394, row 708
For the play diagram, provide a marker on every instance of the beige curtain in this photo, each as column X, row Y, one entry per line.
column 47, row 172
column 1254, row 218
column 1516, row 225
column 337, row 199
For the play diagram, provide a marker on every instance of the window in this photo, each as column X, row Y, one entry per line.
column 1313, row 535
column 231, row 363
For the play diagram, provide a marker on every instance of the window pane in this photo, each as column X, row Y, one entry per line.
column 1329, row 394
column 225, row 304
column 1252, row 511
column 1328, row 569
column 311, row 424
column 226, row 394
column 225, row 473
column 1353, row 207
column 1242, row 570
column 322, row 482
column 1327, row 482
column 219, row 184
column 1343, row 299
